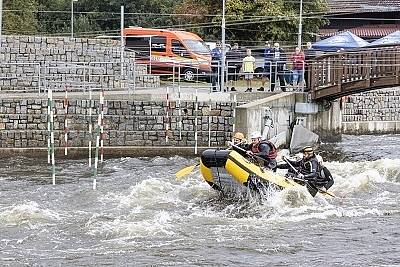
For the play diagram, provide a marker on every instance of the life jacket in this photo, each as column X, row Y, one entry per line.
column 272, row 149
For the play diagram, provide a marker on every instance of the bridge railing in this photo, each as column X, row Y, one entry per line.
column 346, row 72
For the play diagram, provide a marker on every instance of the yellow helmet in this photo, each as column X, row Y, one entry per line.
column 308, row 149
column 238, row 135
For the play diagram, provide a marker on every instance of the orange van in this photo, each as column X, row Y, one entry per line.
column 170, row 51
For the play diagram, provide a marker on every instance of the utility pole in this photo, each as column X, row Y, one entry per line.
column 1, row 21
column 223, row 47
column 122, row 41
column 72, row 17
column 300, row 24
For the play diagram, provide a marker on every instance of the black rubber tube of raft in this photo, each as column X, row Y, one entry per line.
column 214, row 158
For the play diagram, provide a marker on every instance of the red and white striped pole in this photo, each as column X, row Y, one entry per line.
column 167, row 117
column 90, row 128
column 102, row 126
column 66, row 122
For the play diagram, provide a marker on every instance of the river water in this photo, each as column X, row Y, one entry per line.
column 140, row 215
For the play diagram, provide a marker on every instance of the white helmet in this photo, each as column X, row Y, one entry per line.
column 255, row 135
column 320, row 160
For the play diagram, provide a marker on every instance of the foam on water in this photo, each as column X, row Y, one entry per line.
column 126, row 227
column 29, row 212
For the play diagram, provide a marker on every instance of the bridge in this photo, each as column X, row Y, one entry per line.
column 338, row 74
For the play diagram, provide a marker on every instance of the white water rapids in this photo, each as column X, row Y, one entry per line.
column 142, row 216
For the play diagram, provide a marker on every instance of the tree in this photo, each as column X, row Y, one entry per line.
column 250, row 21
column 20, row 17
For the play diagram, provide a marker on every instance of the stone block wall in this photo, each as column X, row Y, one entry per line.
column 379, row 105
column 27, row 62
column 23, row 123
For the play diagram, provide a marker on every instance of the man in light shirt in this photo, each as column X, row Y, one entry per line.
column 248, row 66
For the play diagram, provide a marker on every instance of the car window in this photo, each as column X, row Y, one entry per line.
column 158, row 43
column 179, row 49
column 198, row 47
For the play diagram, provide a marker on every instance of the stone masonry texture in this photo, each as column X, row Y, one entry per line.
column 379, row 105
column 31, row 63
column 24, row 123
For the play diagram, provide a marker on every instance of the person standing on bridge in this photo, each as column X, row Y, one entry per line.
column 309, row 54
column 234, row 63
column 278, row 65
column 267, row 66
column 248, row 67
column 298, row 69
column 216, row 57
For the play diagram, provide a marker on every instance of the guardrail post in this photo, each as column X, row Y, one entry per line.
column 367, row 65
column 340, row 70
column 397, row 64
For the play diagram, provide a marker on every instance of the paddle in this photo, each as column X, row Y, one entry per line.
column 185, row 171
column 244, row 150
column 311, row 187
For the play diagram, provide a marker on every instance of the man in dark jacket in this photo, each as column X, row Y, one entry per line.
column 233, row 64
column 308, row 168
column 216, row 57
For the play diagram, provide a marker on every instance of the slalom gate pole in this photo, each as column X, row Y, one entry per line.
column 234, row 114
column 90, row 128
column 196, row 107
column 66, row 121
column 102, row 126
column 96, row 159
column 48, row 127
column 209, row 123
column 179, row 113
column 167, row 116
column 53, row 162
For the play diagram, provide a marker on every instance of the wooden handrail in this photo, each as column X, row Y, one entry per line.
column 337, row 74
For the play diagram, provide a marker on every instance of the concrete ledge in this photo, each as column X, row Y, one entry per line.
column 371, row 127
column 109, row 152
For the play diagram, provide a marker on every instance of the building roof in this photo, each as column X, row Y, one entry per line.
column 356, row 6
column 365, row 31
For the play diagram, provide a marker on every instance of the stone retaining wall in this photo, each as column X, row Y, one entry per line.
column 23, row 123
column 372, row 112
column 28, row 62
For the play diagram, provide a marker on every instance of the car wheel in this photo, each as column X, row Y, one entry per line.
column 189, row 75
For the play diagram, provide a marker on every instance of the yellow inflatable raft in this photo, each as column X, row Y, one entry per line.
column 241, row 170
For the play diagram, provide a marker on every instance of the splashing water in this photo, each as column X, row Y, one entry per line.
column 140, row 215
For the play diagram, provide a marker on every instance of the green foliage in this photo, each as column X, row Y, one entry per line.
column 252, row 21
column 247, row 21
column 19, row 16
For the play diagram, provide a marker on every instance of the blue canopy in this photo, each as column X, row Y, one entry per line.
column 343, row 40
column 393, row 38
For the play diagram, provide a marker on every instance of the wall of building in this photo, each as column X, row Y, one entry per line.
column 372, row 112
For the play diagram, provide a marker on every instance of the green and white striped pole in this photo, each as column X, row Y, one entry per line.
column 53, row 167
column 96, row 159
